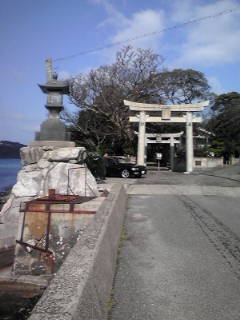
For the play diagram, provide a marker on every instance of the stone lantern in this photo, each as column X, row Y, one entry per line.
column 53, row 131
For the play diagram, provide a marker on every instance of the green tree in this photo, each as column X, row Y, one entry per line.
column 182, row 86
column 226, row 122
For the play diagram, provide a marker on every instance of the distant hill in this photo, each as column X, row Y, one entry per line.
column 10, row 149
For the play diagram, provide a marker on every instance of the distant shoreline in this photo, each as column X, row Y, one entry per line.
column 10, row 149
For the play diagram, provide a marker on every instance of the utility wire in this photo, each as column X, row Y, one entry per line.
column 145, row 35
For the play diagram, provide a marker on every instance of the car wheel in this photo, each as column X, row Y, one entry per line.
column 125, row 173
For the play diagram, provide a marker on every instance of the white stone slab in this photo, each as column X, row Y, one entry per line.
column 66, row 154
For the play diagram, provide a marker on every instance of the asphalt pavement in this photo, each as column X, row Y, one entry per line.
column 180, row 259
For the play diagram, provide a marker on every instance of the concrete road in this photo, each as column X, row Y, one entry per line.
column 181, row 257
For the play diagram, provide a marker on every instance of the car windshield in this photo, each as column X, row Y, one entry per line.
column 123, row 160
column 118, row 160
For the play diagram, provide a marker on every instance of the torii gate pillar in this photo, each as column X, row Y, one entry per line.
column 141, row 139
column 189, row 143
column 171, row 152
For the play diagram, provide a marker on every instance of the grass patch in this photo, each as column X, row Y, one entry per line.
column 112, row 302
column 123, row 236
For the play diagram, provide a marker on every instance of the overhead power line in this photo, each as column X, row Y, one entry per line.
column 145, row 35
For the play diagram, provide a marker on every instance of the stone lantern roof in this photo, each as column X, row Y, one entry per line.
column 55, row 85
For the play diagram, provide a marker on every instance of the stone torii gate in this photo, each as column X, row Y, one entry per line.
column 166, row 117
column 170, row 138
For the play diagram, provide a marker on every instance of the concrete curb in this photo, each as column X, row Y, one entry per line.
column 82, row 287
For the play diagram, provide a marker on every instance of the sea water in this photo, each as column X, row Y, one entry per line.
column 8, row 172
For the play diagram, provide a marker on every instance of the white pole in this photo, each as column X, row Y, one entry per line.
column 189, row 143
column 141, row 138
column 172, row 152
column 145, row 150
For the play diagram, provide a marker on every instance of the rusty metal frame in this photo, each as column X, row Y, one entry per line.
column 23, row 223
column 48, row 227
column 47, row 201
column 31, row 246
column 48, row 210
column 47, row 234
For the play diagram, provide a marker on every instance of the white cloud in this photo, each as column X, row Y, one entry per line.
column 181, row 11
column 127, row 28
column 142, row 22
column 213, row 41
column 210, row 42
column 115, row 17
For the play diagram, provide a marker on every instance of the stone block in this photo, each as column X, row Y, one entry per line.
column 28, row 184
column 31, row 155
column 43, row 164
column 52, row 129
column 53, row 144
column 67, row 154
column 67, row 178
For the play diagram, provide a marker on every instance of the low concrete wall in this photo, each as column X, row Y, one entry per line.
column 201, row 162
column 81, row 288
column 234, row 160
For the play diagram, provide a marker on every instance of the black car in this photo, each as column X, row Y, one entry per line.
column 120, row 167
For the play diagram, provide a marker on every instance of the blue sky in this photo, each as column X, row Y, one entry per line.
column 31, row 31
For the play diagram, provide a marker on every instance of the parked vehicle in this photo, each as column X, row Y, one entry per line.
column 120, row 167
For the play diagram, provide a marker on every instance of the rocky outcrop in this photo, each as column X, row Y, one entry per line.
column 47, row 168
column 31, row 155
